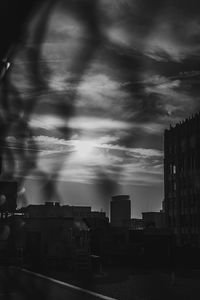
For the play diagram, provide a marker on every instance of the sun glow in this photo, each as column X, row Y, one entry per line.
column 84, row 149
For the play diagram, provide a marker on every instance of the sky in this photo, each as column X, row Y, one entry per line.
column 93, row 89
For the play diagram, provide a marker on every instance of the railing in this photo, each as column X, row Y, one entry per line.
column 29, row 285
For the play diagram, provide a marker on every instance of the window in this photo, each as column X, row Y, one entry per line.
column 174, row 169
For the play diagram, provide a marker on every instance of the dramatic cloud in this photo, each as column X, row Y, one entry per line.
column 98, row 98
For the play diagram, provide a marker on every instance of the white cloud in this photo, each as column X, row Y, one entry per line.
column 50, row 122
column 92, row 123
column 100, row 91
column 163, row 39
column 124, row 166
column 172, row 96
column 72, row 160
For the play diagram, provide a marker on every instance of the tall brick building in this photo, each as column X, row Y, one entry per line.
column 182, row 180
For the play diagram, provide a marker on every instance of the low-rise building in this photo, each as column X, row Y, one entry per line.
column 136, row 224
column 153, row 219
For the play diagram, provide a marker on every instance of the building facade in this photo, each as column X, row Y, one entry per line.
column 182, row 180
column 136, row 224
column 153, row 219
column 120, row 211
column 94, row 219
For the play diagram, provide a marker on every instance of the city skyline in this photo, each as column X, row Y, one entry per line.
column 101, row 133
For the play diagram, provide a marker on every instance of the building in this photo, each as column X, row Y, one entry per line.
column 136, row 224
column 97, row 220
column 8, row 196
column 153, row 219
column 80, row 211
column 94, row 219
column 49, row 209
column 60, row 235
column 51, row 240
column 120, row 211
column 182, row 180
column 54, row 209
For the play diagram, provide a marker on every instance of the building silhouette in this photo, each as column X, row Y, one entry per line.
column 8, row 196
column 153, row 219
column 182, row 180
column 136, row 224
column 120, row 211
column 94, row 219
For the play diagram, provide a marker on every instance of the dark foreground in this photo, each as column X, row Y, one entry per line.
column 128, row 284
column 115, row 282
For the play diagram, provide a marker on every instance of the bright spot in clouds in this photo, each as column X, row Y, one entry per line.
column 84, row 149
